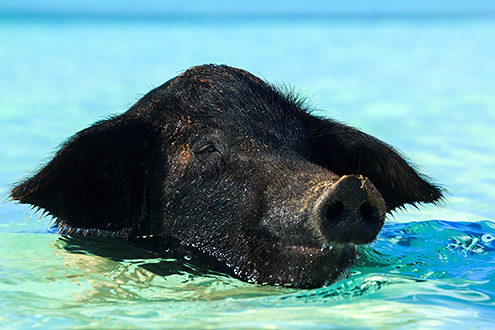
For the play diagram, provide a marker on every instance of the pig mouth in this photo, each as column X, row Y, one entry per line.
column 315, row 265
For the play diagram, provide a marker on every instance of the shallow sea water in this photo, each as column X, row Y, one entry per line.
column 424, row 86
column 422, row 274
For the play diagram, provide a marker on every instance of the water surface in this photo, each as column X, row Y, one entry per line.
column 423, row 274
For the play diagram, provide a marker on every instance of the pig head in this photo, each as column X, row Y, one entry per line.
column 230, row 166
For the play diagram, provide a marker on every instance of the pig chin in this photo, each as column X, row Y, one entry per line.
column 308, row 267
column 312, row 264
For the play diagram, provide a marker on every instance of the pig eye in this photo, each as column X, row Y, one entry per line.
column 207, row 149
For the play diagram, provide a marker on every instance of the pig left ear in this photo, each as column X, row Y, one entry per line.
column 96, row 183
column 345, row 150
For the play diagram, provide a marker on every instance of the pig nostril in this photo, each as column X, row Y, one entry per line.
column 369, row 212
column 335, row 210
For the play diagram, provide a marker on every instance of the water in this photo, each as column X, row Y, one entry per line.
column 423, row 85
column 432, row 273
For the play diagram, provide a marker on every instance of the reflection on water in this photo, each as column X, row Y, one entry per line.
column 425, row 273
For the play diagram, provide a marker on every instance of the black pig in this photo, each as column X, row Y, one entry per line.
column 225, row 164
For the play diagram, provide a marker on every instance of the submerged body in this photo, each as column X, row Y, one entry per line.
column 223, row 163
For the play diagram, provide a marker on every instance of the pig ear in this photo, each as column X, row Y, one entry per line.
column 345, row 150
column 96, row 182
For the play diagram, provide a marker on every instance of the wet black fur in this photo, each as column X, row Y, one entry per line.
column 205, row 160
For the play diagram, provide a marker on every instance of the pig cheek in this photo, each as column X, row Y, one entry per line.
column 178, row 167
column 176, row 185
column 182, row 161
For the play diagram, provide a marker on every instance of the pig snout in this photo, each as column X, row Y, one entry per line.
column 350, row 211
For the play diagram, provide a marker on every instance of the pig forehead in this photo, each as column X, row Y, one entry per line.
column 256, row 118
column 252, row 126
column 235, row 103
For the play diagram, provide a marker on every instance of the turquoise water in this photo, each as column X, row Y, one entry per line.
column 423, row 274
column 425, row 86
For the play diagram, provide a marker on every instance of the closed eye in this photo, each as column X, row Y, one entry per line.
column 207, row 149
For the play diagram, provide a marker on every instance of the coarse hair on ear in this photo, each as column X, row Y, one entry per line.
column 96, row 183
column 346, row 150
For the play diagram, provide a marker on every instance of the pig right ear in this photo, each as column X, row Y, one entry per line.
column 96, row 183
column 346, row 150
